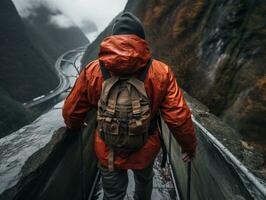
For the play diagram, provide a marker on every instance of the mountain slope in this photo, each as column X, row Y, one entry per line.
column 24, row 74
column 217, row 49
column 49, row 38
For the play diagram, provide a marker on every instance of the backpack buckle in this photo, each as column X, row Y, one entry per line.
column 136, row 107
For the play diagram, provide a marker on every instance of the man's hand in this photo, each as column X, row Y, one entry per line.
column 186, row 157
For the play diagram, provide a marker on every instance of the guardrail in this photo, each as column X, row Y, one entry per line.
column 256, row 189
column 216, row 172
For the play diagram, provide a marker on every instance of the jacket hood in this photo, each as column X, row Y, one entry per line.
column 124, row 54
column 127, row 23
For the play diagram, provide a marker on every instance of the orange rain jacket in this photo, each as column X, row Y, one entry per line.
column 126, row 54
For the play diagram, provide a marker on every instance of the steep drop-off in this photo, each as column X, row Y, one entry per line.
column 217, row 51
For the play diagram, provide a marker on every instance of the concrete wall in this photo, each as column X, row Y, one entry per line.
column 65, row 181
column 53, row 171
column 212, row 176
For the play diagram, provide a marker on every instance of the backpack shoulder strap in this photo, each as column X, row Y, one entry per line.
column 105, row 72
column 144, row 72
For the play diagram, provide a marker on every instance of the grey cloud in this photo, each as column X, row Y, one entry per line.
column 82, row 12
column 61, row 21
column 88, row 26
column 28, row 7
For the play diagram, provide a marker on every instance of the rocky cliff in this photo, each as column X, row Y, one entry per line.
column 217, row 51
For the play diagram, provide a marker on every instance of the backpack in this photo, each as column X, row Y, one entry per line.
column 124, row 113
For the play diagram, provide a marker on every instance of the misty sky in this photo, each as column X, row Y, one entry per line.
column 84, row 13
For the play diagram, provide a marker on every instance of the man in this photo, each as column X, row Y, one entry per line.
column 126, row 52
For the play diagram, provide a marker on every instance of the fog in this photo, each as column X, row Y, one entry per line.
column 92, row 16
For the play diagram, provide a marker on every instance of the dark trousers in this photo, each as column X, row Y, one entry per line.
column 115, row 183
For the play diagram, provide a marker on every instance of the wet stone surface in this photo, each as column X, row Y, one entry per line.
column 163, row 186
column 18, row 147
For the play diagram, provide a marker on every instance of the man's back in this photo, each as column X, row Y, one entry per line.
column 160, row 85
column 127, row 55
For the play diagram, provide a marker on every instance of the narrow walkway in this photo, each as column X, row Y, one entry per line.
column 163, row 186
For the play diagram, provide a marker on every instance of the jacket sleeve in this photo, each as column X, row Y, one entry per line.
column 177, row 116
column 77, row 104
